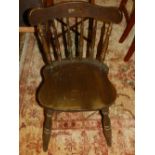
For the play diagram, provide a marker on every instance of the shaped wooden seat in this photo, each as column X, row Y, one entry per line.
column 75, row 86
column 70, row 80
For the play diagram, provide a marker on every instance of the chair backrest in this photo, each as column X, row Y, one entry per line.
column 55, row 25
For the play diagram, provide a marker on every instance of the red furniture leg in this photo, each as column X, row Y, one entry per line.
column 130, row 51
column 128, row 28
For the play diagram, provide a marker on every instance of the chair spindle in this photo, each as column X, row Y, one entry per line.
column 57, row 43
column 42, row 34
column 100, row 44
column 81, row 38
column 63, row 34
column 92, row 45
column 106, row 42
column 69, row 40
column 76, row 39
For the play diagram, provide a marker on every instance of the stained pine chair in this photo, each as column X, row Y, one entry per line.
column 71, row 81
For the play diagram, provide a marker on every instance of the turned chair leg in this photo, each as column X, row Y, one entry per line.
column 47, row 129
column 106, row 125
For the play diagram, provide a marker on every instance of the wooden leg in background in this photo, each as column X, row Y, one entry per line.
column 130, row 51
column 47, row 129
column 106, row 125
column 128, row 28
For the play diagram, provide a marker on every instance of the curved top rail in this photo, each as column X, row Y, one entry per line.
column 75, row 9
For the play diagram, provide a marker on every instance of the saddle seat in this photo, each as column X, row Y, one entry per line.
column 76, row 85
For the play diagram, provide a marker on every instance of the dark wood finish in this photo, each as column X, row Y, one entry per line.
column 100, row 44
column 47, row 128
column 47, row 3
column 72, row 28
column 103, row 44
column 44, row 38
column 69, row 39
column 57, row 43
column 76, row 86
column 92, row 29
column 24, row 7
column 81, row 39
column 91, row 1
column 75, row 83
column 90, row 33
column 106, row 125
column 106, row 42
column 75, row 9
column 91, row 47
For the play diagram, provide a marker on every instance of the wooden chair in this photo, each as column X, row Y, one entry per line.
column 72, row 82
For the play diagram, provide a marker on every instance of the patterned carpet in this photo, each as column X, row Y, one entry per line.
column 78, row 133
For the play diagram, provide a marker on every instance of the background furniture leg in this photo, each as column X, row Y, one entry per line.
column 130, row 51
column 106, row 125
column 128, row 28
column 47, row 129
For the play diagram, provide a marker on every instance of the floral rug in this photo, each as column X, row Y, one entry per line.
column 78, row 133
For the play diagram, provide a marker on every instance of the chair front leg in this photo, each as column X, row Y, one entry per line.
column 47, row 129
column 106, row 125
